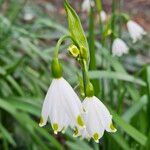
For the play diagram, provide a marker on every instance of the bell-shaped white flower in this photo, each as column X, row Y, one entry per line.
column 97, row 119
column 62, row 106
column 103, row 16
column 119, row 47
column 86, row 5
column 135, row 30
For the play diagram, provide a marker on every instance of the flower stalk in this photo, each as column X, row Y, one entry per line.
column 59, row 43
column 91, row 39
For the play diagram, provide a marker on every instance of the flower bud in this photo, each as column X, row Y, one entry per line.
column 83, row 53
column 89, row 90
column 56, row 68
column 73, row 50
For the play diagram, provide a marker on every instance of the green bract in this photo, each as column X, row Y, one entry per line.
column 76, row 30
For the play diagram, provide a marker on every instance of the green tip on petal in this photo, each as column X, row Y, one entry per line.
column 55, row 132
column 96, row 137
column 80, row 121
column 113, row 129
column 41, row 122
column 55, row 128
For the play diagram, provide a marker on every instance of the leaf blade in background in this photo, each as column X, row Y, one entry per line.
column 129, row 129
column 7, row 135
column 115, row 75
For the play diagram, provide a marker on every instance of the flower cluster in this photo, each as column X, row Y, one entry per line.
column 136, row 32
column 63, row 108
column 119, row 47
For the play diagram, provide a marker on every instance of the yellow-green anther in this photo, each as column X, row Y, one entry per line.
column 56, row 68
column 74, row 50
column 80, row 121
column 96, row 137
column 89, row 90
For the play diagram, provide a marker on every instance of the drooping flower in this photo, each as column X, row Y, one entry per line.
column 61, row 105
column 98, row 118
column 103, row 16
column 86, row 5
column 135, row 30
column 119, row 47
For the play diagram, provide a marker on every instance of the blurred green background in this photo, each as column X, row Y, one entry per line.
column 29, row 31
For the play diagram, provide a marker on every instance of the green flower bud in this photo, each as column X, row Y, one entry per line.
column 74, row 50
column 89, row 90
column 56, row 68
column 83, row 53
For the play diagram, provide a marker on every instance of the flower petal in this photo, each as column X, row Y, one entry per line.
column 46, row 104
column 104, row 114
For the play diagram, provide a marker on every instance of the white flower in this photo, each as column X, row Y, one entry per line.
column 97, row 119
column 62, row 106
column 103, row 16
column 119, row 47
column 86, row 5
column 135, row 30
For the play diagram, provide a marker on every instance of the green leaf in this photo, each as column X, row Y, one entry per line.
column 78, row 145
column 135, row 108
column 11, row 67
column 129, row 129
column 7, row 135
column 75, row 28
column 52, row 24
column 14, row 84
column 28, row 124
column 115, row 75
column 120, row 141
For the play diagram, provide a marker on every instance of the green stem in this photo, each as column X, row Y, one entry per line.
column 113, row 21
column 99, row 5
column 83, row 62
column 91, row 41
column 100, row 8
column 120, row 3
column 85, row 75
column 59, row 43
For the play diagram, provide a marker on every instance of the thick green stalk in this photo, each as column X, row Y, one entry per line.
column 85, row 75
column 111, row 83
column 100, row 8
column 91, row 41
